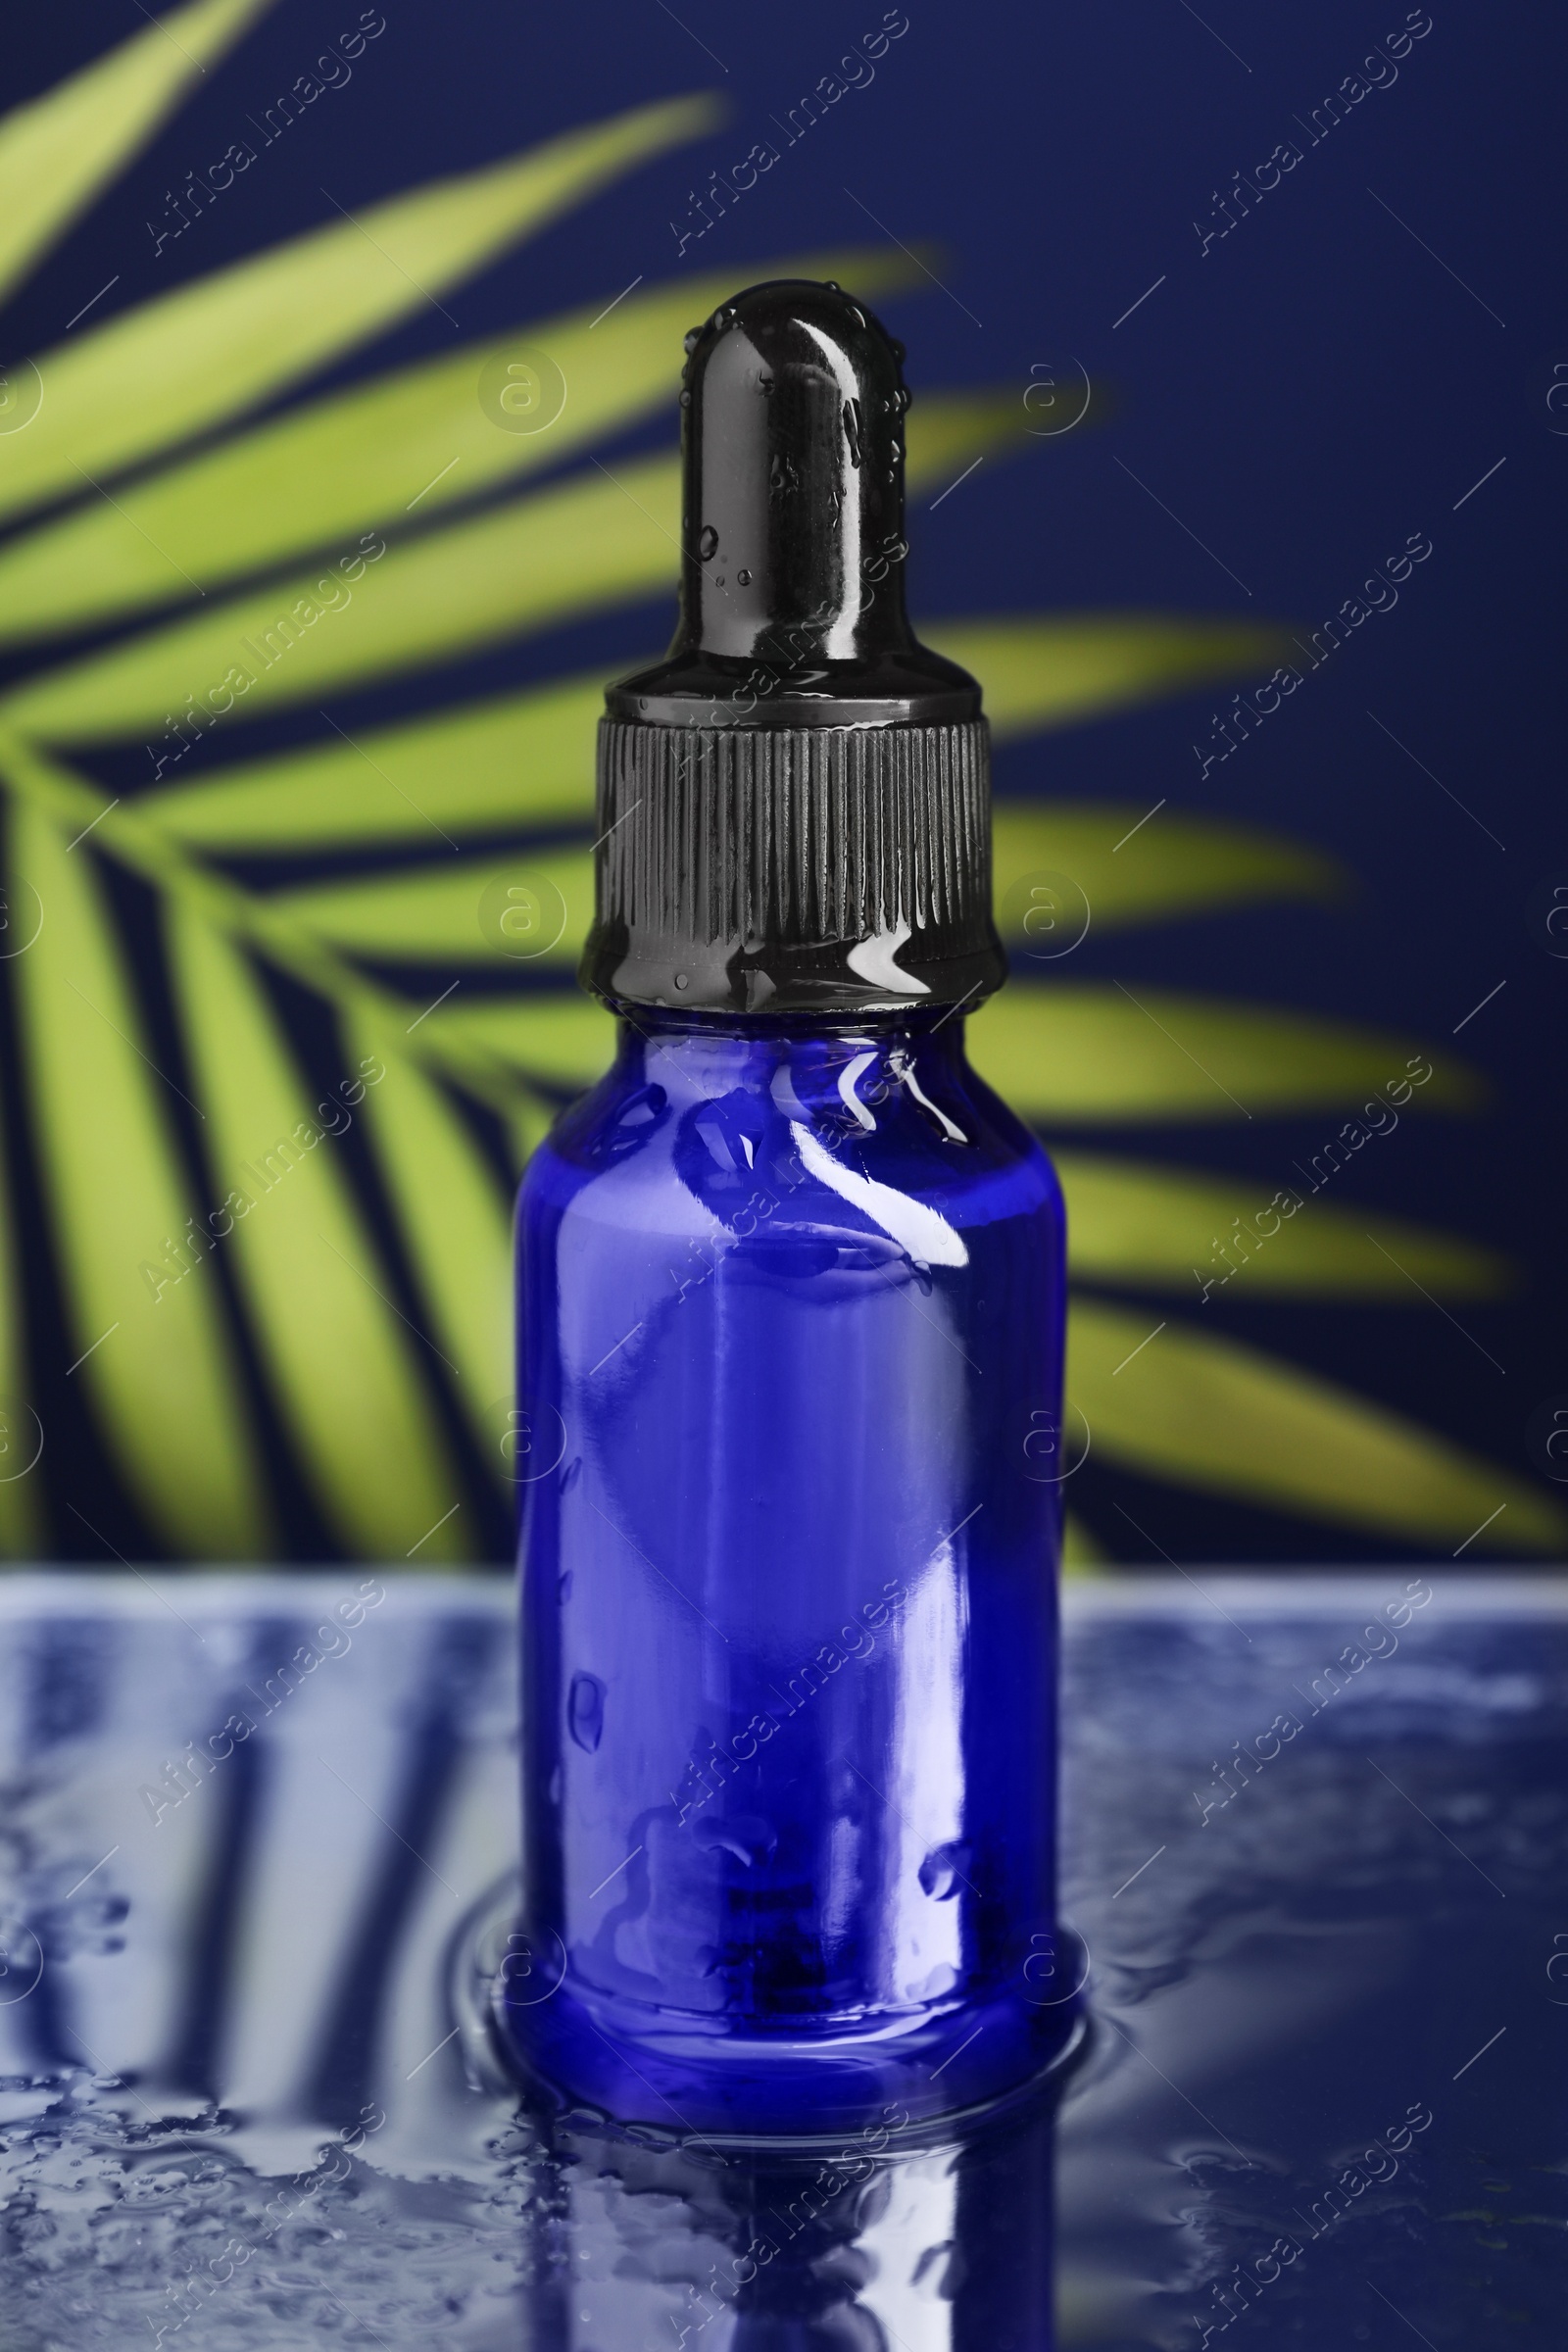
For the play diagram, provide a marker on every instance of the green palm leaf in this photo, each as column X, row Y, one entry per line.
column 22, row 1514
column 523, row 759
column 70, row 800
column 1204, row 1411
column 547, row 558
column 434, row 913
column 337, row 1348
column 1080, row 1052
column 58, row 151
column 321, row 474
column 1080, row 1553
column 562, row 1040
column 1057, row 670
column 1140, row 1226
column 1137, row 873
column 430, row 912
column 210, row 350
column 528, row 757
column 365, row 1324
column 154, row 1355
column 453, row 1215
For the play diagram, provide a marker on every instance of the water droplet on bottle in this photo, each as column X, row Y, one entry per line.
column 707, row 543
column 747, row 1837
column 585, row 1710
column 941, row 1873
column 743, row 579
column 586, row 2119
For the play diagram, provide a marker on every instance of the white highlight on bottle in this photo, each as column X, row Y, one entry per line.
column 918, row 1228
column 847, row 1093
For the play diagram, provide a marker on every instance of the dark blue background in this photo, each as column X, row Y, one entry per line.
column 1305, row 396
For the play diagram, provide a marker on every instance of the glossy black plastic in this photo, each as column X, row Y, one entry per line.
column 792, row 529
column 794, row 806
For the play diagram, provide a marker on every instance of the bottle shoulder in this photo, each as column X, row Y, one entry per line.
column 682, row 1145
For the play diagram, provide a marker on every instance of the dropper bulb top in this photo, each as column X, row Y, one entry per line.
column 792, row 529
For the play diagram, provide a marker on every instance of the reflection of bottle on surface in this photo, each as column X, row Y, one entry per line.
column 792, row 1281
column 939, row 2245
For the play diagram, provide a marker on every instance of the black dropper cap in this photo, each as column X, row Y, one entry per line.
column 795, row 805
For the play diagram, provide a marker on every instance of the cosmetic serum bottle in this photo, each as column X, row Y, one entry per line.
column 791, row 1329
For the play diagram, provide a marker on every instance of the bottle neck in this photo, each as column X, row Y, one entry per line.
column 816, row 1069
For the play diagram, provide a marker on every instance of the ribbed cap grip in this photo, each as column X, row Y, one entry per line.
column 794, row 869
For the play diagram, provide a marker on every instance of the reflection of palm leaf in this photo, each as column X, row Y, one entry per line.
column 217, row 1004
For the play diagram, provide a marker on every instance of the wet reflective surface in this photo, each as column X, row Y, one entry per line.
column 244, row 2103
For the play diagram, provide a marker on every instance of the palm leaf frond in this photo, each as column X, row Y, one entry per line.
column 520, row 759
column 1141, row 1226
column 564, row 1042
column 211, row 349
column 1084, row 1052
column 57, row 152
column 331, row 469
column 557, row 556
column 145, row 1307
column 1131, row 870
column 452, row 1211
column 22, row 1432
column 1208, row 1412
column 435, row 914
column 561, row 553
column 364, row 1281
column 1058, row 669
column 332, row 1336
column 1080, row 1553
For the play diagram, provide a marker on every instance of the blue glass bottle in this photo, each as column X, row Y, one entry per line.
column 791, row 1328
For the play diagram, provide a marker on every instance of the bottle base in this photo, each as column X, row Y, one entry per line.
column 700, row 2080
